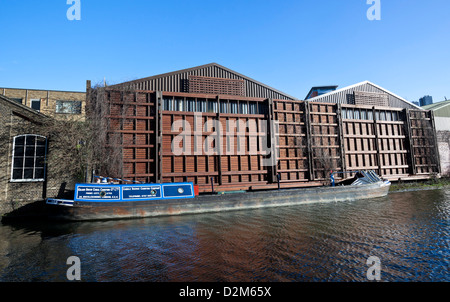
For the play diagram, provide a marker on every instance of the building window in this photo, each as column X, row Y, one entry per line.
column 395, row 116
column 36, row 104
column 28, row 158
column 262, row 109
column 17, row 100
column 190, row 105
column 179, row 105
column 212, row 106
column 201, row 105
column 253, row 107
column 243, row 107
column 223, row 106
column 234, row 107
column 168, row 104
column 68, row 107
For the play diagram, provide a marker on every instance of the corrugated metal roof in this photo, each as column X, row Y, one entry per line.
column 344, row 95
column 440, row 109
column 173, row 81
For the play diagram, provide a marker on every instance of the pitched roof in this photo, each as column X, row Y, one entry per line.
column 340, row 95
column 437, row 106
column 171, row 81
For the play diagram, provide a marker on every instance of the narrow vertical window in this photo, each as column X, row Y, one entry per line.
column 168, row 104
column 243, row 107
column 234, row 107
column 201, row 105
column 179, row 104
column 253, row 108
column 190, row 105
column 212, row 106
column 223, row 106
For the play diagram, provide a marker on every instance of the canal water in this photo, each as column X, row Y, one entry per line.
column 409, row 232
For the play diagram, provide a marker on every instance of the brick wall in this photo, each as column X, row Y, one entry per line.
column 13, row 195
column 48, row 100
column 443, row 138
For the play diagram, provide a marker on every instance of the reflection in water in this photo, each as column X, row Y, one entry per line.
column 408, row 231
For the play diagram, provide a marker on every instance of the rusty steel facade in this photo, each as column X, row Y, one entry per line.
column 309, row 138
column 312, row 140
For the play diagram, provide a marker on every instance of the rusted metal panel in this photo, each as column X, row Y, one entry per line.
column 325, row 143
column 164, row 138
column 214, row 149
column 375, row 139
column 423, row 134
column 292, row 142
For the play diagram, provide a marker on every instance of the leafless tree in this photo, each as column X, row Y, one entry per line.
column 325, row 156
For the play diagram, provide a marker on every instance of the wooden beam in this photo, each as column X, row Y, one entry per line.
column 219, row 131
column 158, row 136
column 407, row 128
column 377, row 143
column 272, row 142
column 341, row 136
column 309, row 141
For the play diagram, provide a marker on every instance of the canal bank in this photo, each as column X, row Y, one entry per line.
column 429, row 184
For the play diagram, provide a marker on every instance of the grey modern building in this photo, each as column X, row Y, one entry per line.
column 426, row 100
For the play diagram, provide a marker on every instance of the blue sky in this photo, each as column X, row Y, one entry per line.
column 290, row 45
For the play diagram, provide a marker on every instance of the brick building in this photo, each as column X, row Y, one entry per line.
column 24, row 145
column 54, row 103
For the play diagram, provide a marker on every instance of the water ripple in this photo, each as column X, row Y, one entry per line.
column 408, row 231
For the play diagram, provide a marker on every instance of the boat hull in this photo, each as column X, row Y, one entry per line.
column 80, row 211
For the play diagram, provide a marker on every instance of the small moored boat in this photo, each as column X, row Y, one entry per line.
column 115, row 201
